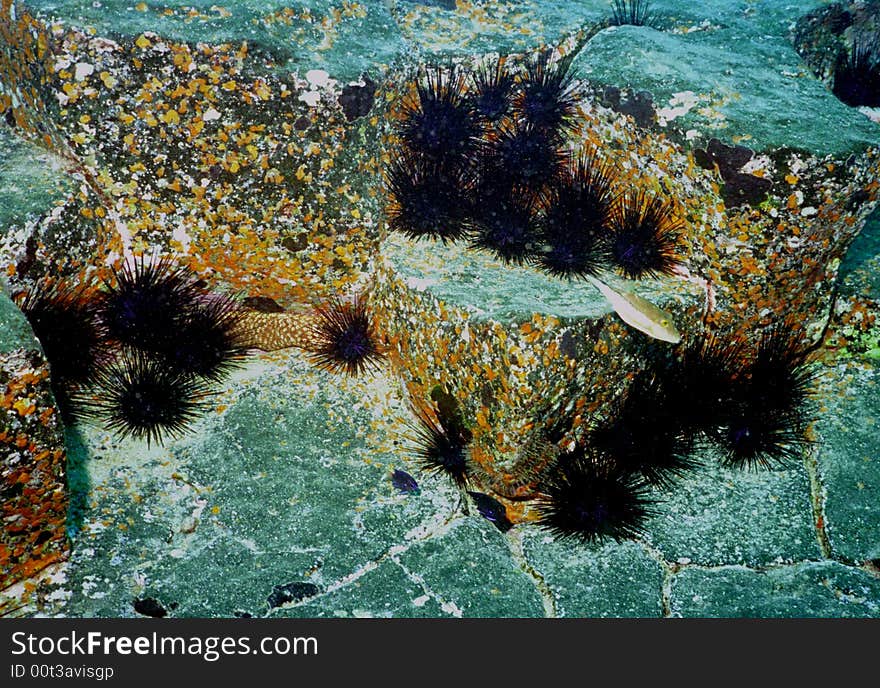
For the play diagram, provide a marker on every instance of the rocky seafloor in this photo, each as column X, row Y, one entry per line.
column 250, row 141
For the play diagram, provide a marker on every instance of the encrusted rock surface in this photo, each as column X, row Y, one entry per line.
column 250, row 143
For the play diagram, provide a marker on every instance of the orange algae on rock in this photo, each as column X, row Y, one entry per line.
column 33, row 508
column 203, row 151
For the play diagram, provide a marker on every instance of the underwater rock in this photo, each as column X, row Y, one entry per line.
column 243, row 144
column 231, row 170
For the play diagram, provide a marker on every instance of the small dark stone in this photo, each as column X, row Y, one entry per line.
column 215, row 171
column 744, row 189
column 487, row 395
column 837, row 20
column 356, row 100
column 10, row 117
column 568, row 344
column 150, row 606
column 729, row 157
column 291, row 592
column 23, row 266
column 262, row 304
column 238, row 614
column 611, row 97
column 739, row 188
column 857, row 200
column 11, row 491
column 302, row 123
column 703, row 159
column 295, row 243
column 640, row 106
column 42, row 537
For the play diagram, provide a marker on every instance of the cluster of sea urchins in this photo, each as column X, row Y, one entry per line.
column 139, row 354
column 483, row 157
column 753, row 406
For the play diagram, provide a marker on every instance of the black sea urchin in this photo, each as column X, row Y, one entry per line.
column 857, row 76
column 643, row 433
column 345, row 338
column 752, row 439
column 644, row 236
column 145, row 303
column 492, row 93
column 547, row 99
column 767, row 420
column 65, row 323
column 442, row 441
column 632, row 12
column 429, row 198
column 207, row 343
column 698, row 381
column 589, row 500
column 525, row 155
column 145, row 399
column 439, row 122
column 575, row 221
column 503, row 221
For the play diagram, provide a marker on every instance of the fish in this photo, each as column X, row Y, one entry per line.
column 639, row 313
column 404, row 482
column 492, row 510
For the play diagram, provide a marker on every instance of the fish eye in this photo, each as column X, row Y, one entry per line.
column 664, row 322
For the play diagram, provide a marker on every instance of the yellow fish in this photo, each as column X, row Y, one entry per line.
column 639, row 313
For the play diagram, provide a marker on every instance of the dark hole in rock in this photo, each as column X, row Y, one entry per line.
column 150, row 606
column 356, row 100
column 262, row 304
column 291, row 592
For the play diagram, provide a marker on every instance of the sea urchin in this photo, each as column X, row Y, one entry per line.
column 429, row 197
column 145, row 303
column 767, row 418
column 587, row 499
column 345, row 339
column 207, row 344
column 547, row 99
column 857, row 76
column 492, row 91
column 643, row 433
column 575, row 221
column 439, row 123
column 146, row 399
column 65, row 323
column 644, row 236
column 441, row 439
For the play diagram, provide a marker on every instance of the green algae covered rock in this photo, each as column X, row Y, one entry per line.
column 345, row 39
column 708, row 86
column 811, row 589
column 31, row 181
